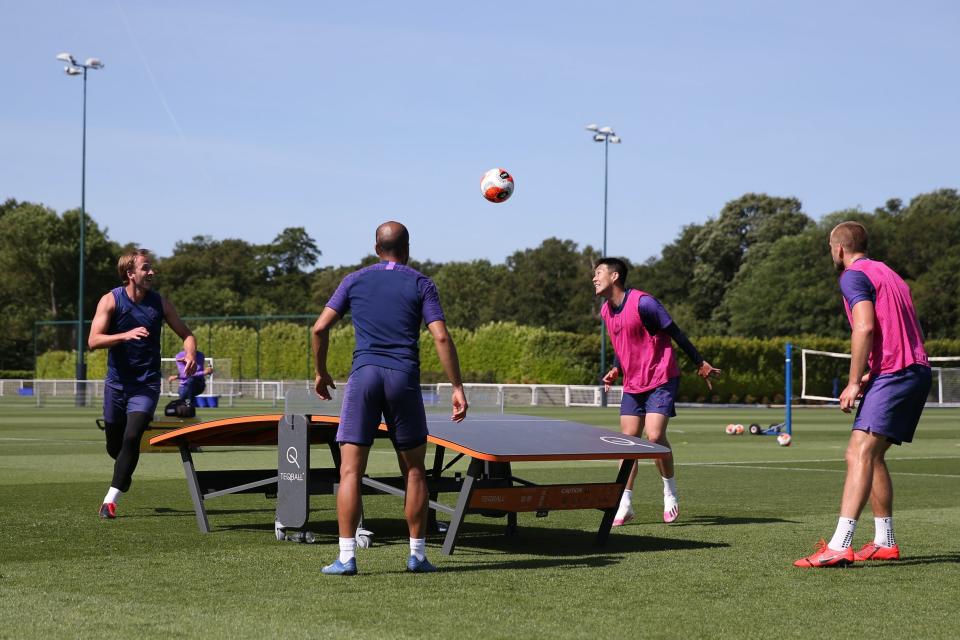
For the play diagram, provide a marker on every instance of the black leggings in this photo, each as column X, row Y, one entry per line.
column 123, row 445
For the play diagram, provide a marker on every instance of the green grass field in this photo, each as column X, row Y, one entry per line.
column 749, row 508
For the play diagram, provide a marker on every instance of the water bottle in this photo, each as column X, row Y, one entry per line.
column 304, row 537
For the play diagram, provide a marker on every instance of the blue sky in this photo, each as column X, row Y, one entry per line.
column 237, row 119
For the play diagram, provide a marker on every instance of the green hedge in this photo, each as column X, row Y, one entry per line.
column 15, row 374
column 498, row 352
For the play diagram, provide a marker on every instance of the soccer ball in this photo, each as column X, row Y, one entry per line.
column 784, row 439
column 496, row 185
column 730, row 429
column 738, row 429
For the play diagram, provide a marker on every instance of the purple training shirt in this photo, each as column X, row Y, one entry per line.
column 388, row 302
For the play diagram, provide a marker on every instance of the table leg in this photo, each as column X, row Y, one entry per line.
column 463, row 501
column 193, row 485
column 609, row 514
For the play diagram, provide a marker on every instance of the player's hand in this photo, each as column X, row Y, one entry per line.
column 848, row 397
column 136, row 334
column 323, row 385
column 459, row 401
column 610, row 378
column 707, row 371
column 189, row 365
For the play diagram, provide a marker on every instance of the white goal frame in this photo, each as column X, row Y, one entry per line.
column 938, row 377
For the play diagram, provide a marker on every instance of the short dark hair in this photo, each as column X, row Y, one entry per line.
column 616, row 265
column 851, row 235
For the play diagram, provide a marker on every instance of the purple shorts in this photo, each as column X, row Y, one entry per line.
column 373, row 391
column 892, row 403
column 120, row 399
column 659, row 400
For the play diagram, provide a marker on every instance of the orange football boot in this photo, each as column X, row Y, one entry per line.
column 824, row 556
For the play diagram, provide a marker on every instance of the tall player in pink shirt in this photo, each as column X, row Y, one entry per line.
column 642, row 333
column 890, row 372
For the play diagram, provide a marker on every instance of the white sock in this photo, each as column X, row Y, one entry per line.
column 627, row 498
column 884, row 532
column 348, row 549
column 843, row 536
column 418, row 548
column 669, row 486
column 113, row 495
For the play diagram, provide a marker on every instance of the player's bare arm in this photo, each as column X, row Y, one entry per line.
column 610, row 378
column 99, row 338
column 708, row 371
column 861, row 340
column 320, row 342
column 447, row 352
column 181, row 329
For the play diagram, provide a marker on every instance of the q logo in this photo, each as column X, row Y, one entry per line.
column 292, row 456
column 623, row 442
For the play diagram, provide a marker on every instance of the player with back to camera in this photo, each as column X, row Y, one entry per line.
column 128, row 321
column 388, row 302
column 890, row 372
column 641, row 331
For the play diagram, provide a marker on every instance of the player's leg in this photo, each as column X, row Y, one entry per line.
column 129, row 456
column 359, row 419
column 631, row 424
column 865, row 451
column 884, row 544
column 405, row 416
column 659, row 407
column 114, row 422
column 655, row 428
column 353, row 464
column 114, row 419
column 124, row 435
column 890, row 410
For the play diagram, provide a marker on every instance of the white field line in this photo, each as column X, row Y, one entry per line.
column 747, row 465
column 736, row 462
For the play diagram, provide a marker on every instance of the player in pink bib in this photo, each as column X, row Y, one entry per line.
column 642, row 333
column 890, row 373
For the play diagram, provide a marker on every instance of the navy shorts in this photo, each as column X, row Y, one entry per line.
column 120, row 399
column 374, row 391
column 659, row 400
column 892, row 403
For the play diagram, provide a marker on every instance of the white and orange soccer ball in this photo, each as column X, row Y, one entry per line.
column 738, row 429
column 496, row 185
column 784, row 439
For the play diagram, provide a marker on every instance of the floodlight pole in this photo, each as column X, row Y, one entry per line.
column 605, row 135
column 74, row 68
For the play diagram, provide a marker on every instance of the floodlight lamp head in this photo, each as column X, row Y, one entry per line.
column 614, row 139
column 65, row 57
column 94, row 63
column 590, row 127
column 72, row 71
column 607, row 130
column 599, row 137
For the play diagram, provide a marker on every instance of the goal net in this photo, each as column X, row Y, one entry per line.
column 824, row 375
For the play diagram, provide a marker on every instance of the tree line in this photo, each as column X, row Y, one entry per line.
column 759, row 268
